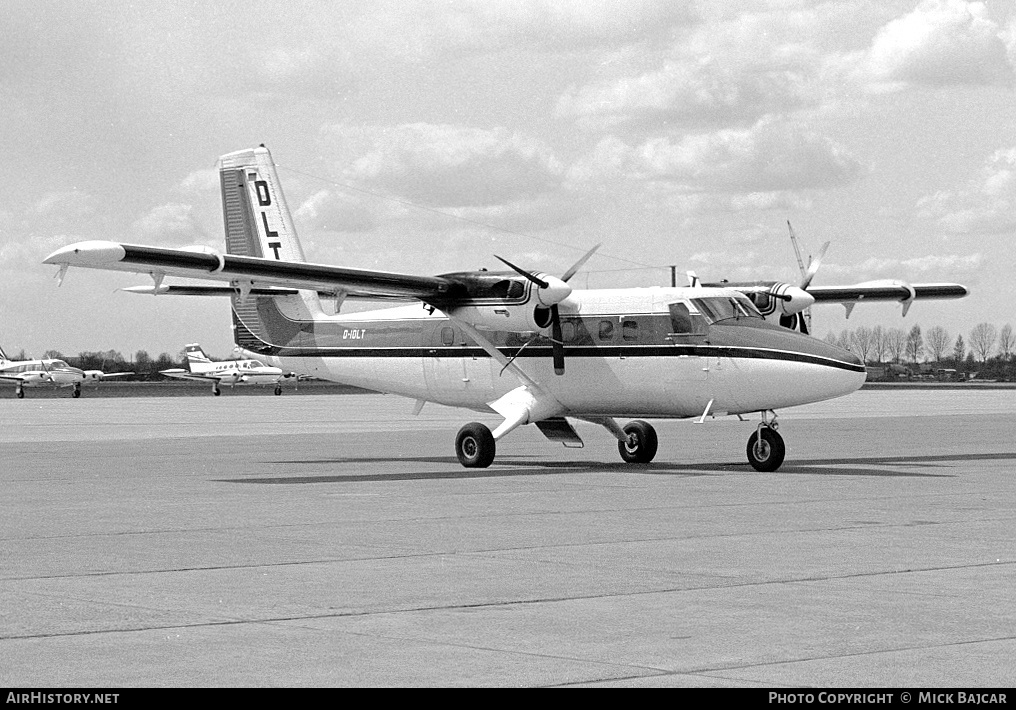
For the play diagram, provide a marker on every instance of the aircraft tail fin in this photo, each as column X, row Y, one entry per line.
column 258, row 223
column 197, row 361
column 3, row 355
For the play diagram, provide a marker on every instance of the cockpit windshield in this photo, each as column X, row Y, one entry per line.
column 720, row 308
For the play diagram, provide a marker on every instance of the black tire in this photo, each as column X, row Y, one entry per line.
column 278, row 390
column 21, row 394
column 216, row 391
column 642, row 443
column 475, row 446
column 769, row 455
column 76, row 393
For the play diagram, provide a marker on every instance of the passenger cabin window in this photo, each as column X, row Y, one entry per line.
column 630, row 330
column 448, row 336
column 568, row 332
column 606, row 330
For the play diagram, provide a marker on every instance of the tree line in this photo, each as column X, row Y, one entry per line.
column 987, row 350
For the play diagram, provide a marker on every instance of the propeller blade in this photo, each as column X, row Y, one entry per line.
column 522, row 272
column 557, row 344
column 813, row 266
column 578, row 264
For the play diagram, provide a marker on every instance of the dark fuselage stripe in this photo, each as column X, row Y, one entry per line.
column 610, row 351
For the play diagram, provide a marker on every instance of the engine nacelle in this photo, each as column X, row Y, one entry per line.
column 515, row 318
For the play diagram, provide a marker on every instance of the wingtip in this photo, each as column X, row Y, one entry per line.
column 90, row 253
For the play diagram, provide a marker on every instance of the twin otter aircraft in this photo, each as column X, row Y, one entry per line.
column 523, row 344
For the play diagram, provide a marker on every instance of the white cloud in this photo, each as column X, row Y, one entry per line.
column 985, row 205
column 63, row 207
column 334, row 212
column 941, row 42
column 200, row 181
column 955, row 264
column 702, row 92
column 449, row 166
column 770, row 156
column 172, row 225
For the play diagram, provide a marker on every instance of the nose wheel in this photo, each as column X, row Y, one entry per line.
column 766, row 448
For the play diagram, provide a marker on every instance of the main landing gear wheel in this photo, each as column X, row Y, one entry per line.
column 641, row 444
column 216, row 391
column 766, row 450
column 21, row 394
column 475, row 446
column 278, row 390
column 76, row 393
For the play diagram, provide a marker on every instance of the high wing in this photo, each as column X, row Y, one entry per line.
column 247, row 273
column 885, row 291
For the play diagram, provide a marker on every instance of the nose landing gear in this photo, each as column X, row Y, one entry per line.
column 766, row 449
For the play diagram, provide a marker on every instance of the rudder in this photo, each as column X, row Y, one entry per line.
column 258, row 223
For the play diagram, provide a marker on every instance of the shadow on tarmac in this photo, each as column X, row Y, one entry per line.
column 507, row 466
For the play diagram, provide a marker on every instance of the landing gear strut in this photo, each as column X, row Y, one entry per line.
column 765, row 447
column 641, row 443
column 20, row 393
column 475, row 446
column 77, row 391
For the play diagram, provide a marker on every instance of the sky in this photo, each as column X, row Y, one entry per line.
column 425, row 137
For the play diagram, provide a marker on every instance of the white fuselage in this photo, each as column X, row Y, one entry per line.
column 651, row 377
column 41, row 373
column 239, row 372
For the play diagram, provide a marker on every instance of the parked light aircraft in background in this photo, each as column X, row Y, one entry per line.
column 49, row 372
column 789, row 305
column 227, row 372
column 522, row 344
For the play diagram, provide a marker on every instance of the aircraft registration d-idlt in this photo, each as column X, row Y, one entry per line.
column 523, row 344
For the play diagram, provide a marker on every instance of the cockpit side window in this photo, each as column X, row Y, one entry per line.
column 761, row 300
column 721, row 308
column 510, row 289
column 680, row 318
column 684, row 322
